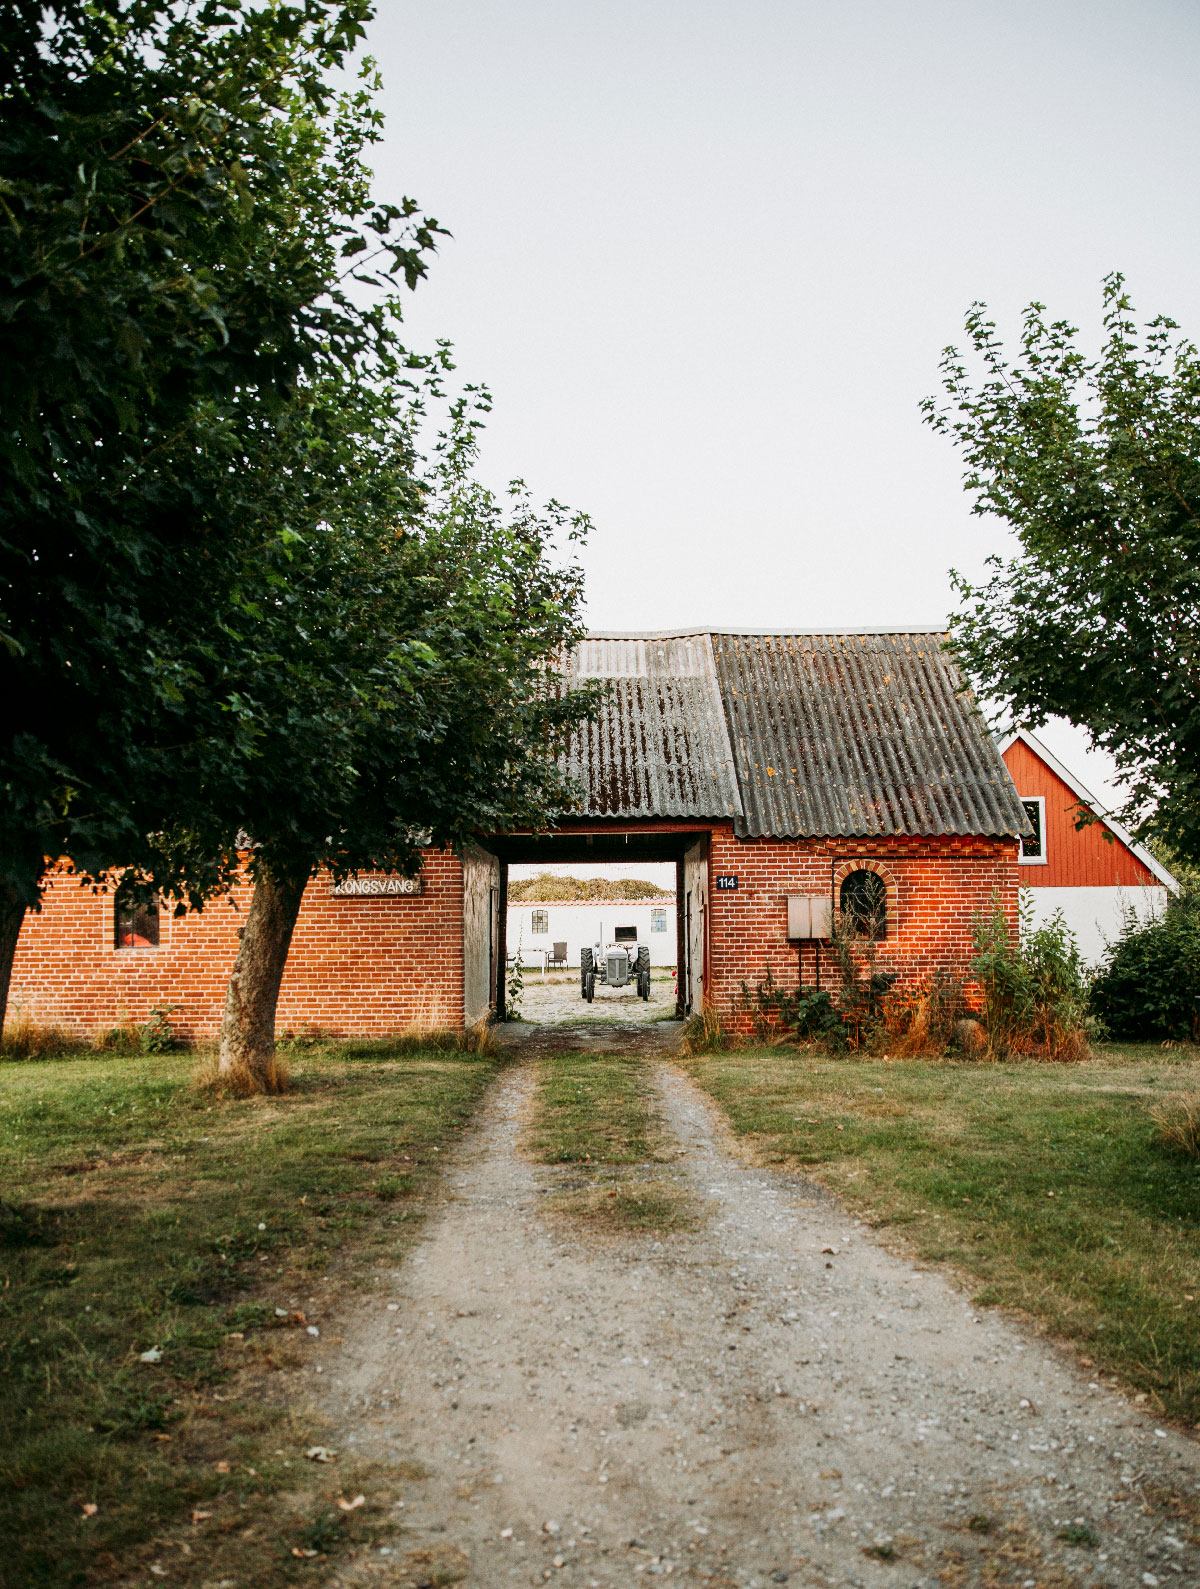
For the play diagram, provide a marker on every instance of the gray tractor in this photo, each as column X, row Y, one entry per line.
column 617, row 965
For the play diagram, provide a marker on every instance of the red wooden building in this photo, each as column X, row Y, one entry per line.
column 1095, row 875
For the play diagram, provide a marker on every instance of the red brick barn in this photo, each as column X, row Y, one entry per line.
column 840, row 771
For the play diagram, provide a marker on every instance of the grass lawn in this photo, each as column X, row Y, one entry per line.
column 597, row 1113
column 210, row 1235
column 1045, row 1183
column 594, row 1109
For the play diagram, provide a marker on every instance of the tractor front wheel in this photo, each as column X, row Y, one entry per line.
column 644, row 985
column 585, row 967
column 589, row 986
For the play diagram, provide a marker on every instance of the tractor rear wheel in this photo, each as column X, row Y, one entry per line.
column 585, row 965
column 642, row 963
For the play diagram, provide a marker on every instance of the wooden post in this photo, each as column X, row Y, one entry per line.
column 502, row 942
column 681, row 946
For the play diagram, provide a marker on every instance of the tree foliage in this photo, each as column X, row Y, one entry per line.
column 242, row 613
column 1094, row 464
column 182, row 199
column 403, row 694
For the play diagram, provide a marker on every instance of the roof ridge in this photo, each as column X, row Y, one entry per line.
column 711, row 630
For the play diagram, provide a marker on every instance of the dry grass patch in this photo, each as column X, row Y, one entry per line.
column 1178, row 1123
column 597, row 1111
column 1052, row 1187
column 629, row 1206
column 594, row 1109
column 24, row 1038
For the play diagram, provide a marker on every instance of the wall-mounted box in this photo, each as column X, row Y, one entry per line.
column 809, row 916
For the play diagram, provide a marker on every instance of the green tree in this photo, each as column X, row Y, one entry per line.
column 401, row 684
column 1094, row 464
column 190, row 257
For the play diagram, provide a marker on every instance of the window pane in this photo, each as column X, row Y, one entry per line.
column 658, row 921
column 1031, row 849
column 541, row 921
column 864, row 905
column 135, row 926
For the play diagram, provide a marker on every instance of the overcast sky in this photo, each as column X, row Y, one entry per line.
column 706, row 256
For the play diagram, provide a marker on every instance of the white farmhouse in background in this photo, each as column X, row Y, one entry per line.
column 1096, row 875
column 539, row 925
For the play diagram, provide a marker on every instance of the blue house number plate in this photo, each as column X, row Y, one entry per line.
column 726, row 881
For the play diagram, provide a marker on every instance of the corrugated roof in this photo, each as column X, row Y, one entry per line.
column 658, row 747
column 859, row 735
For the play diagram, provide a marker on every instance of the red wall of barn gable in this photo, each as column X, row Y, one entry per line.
column 363, row 967
column 1073, row 859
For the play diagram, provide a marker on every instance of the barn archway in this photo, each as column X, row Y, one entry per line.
column 674, row 856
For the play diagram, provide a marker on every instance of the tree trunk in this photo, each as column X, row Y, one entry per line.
column 12, row 914
column 247, row 1062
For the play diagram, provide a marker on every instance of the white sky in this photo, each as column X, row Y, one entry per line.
column 706, row 255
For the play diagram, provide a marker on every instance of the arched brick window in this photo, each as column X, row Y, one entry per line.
column 863, row 901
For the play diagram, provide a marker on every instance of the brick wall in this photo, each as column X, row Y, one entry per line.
column 368, row 967
column 357, row 967
column 934, row 886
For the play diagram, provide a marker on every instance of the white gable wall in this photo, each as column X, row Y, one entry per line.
column 1095, row 915
column 578, row 923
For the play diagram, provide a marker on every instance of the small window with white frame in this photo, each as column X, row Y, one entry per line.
column 541, row 921
column 1033, row 849
column 658, row 919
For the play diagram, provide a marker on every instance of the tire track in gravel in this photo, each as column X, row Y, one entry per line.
column 733, row 1406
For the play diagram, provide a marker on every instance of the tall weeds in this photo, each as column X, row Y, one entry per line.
column 863, row 990
column 1177, row 1124
column 922, row 1021
column 1035, row 990
column 25, row 1039
column 705, row 1032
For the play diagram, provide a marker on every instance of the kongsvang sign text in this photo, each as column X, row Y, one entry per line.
column 379, row 887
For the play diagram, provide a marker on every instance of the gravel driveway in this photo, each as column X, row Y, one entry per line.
column 770, row 1398
column 557, row 1000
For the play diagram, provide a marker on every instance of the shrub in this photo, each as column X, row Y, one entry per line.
column 863, row 990
column 776, row 1014
column 1035, row 990
column 1150, row 981
column 157, row 1035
